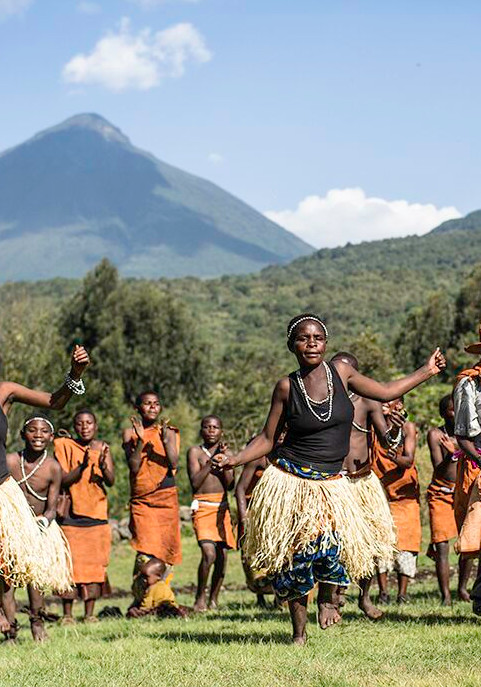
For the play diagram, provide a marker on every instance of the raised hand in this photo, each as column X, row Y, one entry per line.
column 167, row 434
column 103, row 456
column 448, row 443
column 397, row 418
column 138, row 428
column 221, row 461
column 80, row 361
column 86, row 459
column 436, row 362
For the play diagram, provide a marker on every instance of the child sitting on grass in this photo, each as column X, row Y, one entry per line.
column 153, row 594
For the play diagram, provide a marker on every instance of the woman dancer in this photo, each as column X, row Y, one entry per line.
column 19, row 532
column 303, row 526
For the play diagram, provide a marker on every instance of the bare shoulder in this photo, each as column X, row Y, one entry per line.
column 343, row 369
column 127, row 435
column 193, row 452
column 282, row 388
column 54, row 466
column 13, row 459
column 410, row 428
column 434, row 434
column 97, row 445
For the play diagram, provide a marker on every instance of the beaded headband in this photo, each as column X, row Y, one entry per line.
column 302, row 319
column 44, row 419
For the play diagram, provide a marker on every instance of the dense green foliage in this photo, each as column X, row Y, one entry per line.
column 219, row 345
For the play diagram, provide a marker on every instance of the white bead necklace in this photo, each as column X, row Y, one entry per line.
column 322, row 417
column 26, row 477
column 364, row 430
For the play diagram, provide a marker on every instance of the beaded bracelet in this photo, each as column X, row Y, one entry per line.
column 76, row 387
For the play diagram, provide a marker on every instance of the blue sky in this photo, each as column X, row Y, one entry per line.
column 345, row 120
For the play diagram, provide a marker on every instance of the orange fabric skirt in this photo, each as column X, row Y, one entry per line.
column 155, row 525
column 90, row 548
column 213, row 523
column 465, row 477
column 407, row 519
column 441, row 510
column 469, row 540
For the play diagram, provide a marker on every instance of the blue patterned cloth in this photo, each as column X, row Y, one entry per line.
column 315, row 564
column 318, row 562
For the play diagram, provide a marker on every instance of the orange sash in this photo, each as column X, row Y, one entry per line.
column 154, row 465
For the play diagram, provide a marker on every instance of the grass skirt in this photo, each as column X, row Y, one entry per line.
column 57, row 570
column 287, row 513
column 371, row 499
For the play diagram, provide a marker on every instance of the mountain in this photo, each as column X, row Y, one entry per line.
column 471, row 222
column 80, row 191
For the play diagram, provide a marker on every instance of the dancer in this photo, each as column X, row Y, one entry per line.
column 467, row 428
column 87, row 469
column 440, row 496
column 210, row 510
column 399, row 476
column 368, row 490
column 151, row 447
column 39, row 476
column 256, row 581
column 303, row 525
column 19, row 533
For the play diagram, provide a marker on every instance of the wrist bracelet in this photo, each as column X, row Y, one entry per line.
column 76, row 387
column 42, row 522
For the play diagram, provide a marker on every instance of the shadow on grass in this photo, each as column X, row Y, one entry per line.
column 202, row 637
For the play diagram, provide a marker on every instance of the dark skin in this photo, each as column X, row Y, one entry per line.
column 404, row 459
column 11, row 392
column 38, row 437
column 441, row 449
column 86, row 428
column 133, row 437
column 309, row 347
column 206, row 479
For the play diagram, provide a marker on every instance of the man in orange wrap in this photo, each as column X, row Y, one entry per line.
column 398, row 474
column 467, row 427
column 210, row 510
column 87, row 469
column 441, row 498
column 152, row 452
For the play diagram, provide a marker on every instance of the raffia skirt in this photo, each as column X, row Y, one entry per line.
column 28, row 555
column 301, row 531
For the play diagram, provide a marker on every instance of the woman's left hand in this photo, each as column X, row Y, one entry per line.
column 80, row 361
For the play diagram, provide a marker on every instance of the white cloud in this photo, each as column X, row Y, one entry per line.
column 122, row 60
column 9, row 7
column 215, row 158
column 88, row 7
column 347, row 214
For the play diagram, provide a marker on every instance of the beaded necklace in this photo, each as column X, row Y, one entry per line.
column 26, row 477
column 351, row 395
column 322, row 417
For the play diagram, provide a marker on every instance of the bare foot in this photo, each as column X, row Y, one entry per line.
column 369, row 609
column 212, row 604
column 300, row 641
column 328, row 615
column 446, row 601
column 200, row 606
column 68, row 620
column 91, row 619
column 39, row 632
column 463, row 595
column 383, row 598
column 4, row 624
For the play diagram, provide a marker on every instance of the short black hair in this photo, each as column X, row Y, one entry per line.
column 38, row 416
column 85, row 411
column 147, row 392
column 211, row 416
column 349, row 357
column 444, row 404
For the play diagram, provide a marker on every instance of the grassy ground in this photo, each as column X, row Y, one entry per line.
column 416, row 645
column 239, row 645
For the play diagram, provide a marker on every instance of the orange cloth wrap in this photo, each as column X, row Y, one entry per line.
column 402, row 490
column 155, row 525
column 213, row 523
column 154, row 512
column 90, row 548
column 469, row 541
column 441, row 510
column 89, row 498
column 466, row 475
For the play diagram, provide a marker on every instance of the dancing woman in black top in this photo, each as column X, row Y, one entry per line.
column 19, row 532
column 303, row 525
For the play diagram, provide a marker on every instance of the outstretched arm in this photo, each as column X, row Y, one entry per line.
column 11, row 392
column 388, row 391
column 264, row 442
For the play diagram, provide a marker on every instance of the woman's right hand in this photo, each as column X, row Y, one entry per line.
column 138, row 427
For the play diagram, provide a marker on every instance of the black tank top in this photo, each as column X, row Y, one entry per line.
column 310, row 442
column 3, row 446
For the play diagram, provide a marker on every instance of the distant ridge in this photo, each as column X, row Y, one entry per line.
column 80, row 191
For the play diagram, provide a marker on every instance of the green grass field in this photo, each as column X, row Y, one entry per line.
column 420, row 644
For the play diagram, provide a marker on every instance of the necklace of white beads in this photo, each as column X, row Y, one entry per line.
column 26, row 477
column 326, row 416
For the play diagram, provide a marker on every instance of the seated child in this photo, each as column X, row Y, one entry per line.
column 153, row 594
